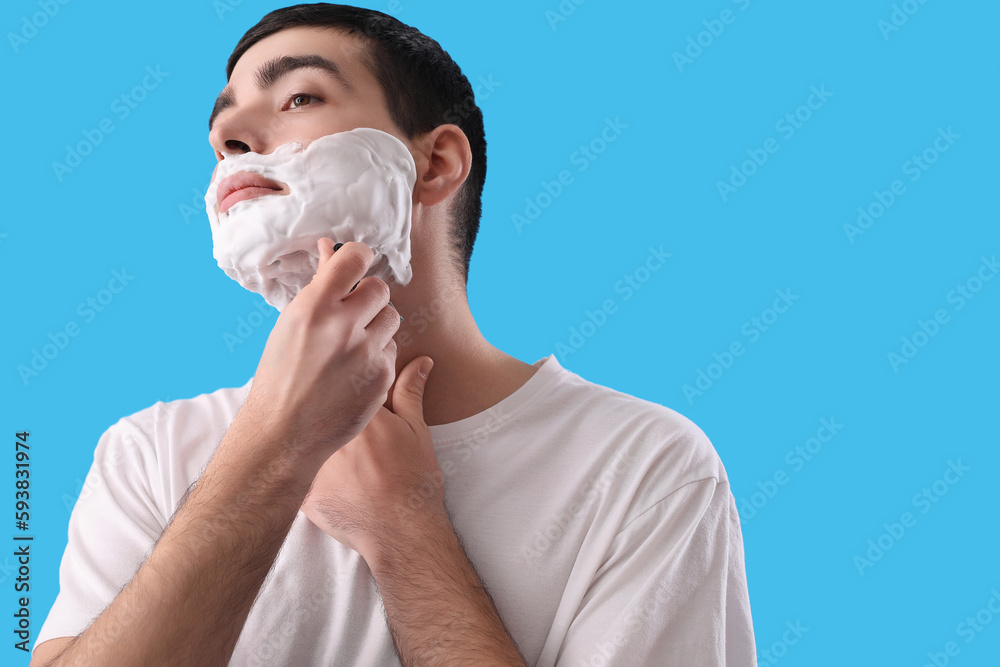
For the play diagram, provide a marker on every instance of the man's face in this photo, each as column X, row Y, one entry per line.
column 298, row 84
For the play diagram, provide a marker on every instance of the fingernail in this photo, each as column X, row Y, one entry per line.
column 425, row 367
column 336, row 246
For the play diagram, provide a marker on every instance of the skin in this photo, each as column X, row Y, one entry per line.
column 264, row 121
column 336, row 419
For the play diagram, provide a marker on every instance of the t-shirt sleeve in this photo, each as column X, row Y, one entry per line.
column 672, row 589
column 112, row 530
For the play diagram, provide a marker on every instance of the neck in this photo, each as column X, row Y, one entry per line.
column 470, row 375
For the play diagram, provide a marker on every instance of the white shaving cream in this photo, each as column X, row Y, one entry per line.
column 348, row 186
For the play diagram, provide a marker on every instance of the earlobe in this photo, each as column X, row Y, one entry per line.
column 443, row 165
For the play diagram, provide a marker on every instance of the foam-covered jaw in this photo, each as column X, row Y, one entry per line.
column 348, row 186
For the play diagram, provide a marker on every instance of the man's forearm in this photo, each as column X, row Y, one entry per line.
column 438, row 610
column 188, row 602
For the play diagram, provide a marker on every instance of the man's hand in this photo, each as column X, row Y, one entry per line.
column 382, row 495
column 387, row 479
column 307, row 382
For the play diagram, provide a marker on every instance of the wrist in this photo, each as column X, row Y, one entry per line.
column 293, row 430
column 427, row 537
column 264, row 446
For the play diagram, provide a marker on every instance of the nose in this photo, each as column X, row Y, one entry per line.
column 237, row 146
column 242, row 130
column 225, row 141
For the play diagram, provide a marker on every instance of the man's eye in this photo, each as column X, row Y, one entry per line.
column 302, row 99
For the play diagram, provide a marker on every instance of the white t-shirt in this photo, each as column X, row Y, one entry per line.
column 602, row 524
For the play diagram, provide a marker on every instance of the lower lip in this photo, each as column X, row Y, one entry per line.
column 244, row 193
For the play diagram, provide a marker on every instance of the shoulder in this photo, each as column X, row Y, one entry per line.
column 181, row 419
column 644, row 451
column 168, row 443
column 654, row 436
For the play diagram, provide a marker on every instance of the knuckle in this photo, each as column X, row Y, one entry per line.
column 373, row 349
column 384, row 323
column 378, row 287
column 354, row 263
column 362, row 251
column 387, row 379
column 394, row 322
column 369, row 253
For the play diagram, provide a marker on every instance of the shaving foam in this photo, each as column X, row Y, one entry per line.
column 348, row 186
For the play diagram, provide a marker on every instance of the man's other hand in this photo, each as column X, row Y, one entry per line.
column 386, row 483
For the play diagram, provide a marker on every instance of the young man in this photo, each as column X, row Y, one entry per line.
column 491, row 512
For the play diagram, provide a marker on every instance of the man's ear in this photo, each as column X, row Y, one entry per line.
column 444, row 159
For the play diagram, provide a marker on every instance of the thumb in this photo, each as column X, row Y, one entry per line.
column 408, row 393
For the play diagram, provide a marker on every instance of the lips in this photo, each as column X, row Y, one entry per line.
column 244, row 185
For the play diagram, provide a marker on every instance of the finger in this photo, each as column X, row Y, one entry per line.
column 408, row 393
column 325, row 246
column 367, row 300
column 347, row 266
column 335, row 249
column 326, row 249
column 384, row 325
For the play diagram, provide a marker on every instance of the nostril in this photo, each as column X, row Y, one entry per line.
column 235, row 145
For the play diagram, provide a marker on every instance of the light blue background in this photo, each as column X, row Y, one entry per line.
column 656, row 185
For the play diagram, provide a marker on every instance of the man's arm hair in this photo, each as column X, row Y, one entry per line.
column 189, row 601
column 438, row 609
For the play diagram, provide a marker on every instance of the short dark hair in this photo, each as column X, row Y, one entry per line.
column 423, row 88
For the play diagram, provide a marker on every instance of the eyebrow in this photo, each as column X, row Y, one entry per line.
column 274, row 69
